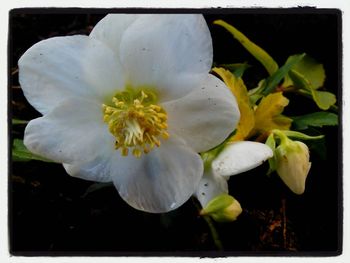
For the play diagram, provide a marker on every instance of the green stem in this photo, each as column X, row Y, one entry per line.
column 208, row 220
column 214, row 233
column 284, row 139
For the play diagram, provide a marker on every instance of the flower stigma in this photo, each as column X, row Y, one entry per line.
column 136, row 120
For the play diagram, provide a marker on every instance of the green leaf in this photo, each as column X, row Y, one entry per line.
column 261, row 55
column 299, row 80
column 316, row 119
column 311, row 70
column 276, row 78
column 237, row 68
column 21, row 154
column 323, row 99
column 19, row 122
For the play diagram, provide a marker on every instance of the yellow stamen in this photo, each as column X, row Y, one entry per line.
column 136, row 121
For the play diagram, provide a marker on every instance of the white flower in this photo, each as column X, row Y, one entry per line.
column 132, row 103
column 235, row 158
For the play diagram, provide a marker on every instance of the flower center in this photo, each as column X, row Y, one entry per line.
column 136, row 121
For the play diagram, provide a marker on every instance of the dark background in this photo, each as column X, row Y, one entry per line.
column 52, row 213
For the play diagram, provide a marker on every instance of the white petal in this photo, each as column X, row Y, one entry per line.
column 206, row 116
column 63, row 67
column 240, row 157
column 160, row 181
column 72, row 132
column 156, row 49
column 210, row 186
column 111, row 28
column 97, row 170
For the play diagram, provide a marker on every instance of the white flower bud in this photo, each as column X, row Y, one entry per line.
column 292, row 164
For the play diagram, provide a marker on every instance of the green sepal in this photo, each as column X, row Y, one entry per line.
column 218, row 203
column 222, row 208
column 21, row 154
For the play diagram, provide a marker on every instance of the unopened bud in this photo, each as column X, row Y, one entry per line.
column 223, row 208
column 292, row 164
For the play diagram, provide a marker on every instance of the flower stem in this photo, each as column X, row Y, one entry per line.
column 284, row 139
column 208, row 220
column 214, row 233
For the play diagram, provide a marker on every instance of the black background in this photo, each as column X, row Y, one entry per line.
column 51, row 213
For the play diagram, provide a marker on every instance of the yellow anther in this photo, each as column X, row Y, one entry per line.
column 155, row 107
column 136, row 121
column 165, row 135
column 125, row 151
column 137, row 152
column 157, row 142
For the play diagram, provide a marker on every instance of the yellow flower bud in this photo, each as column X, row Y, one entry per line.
column 292, row 164
column 223, row 208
